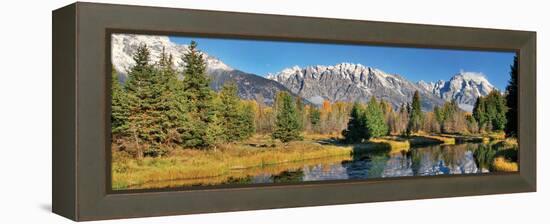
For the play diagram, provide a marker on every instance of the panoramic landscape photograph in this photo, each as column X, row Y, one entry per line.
column 197, row 111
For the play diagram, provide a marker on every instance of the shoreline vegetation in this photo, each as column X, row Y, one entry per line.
column 170, row 127
column 260, row 154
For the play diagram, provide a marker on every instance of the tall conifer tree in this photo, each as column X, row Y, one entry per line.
column 496, row 110
column 374, row 120
column 144, row 122
column 356, row 129
column 287, row 126
column 512, row 100
column 479, row 113
column 198, row 95
column 247, row 125
column 119, row 106
column 416, row 116
column 229, row 112
column 172, row 104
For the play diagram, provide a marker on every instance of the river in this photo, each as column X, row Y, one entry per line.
column 417, row 161
column 466, row 158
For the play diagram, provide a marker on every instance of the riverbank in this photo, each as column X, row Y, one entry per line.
column 258, row 155
column 194, row 164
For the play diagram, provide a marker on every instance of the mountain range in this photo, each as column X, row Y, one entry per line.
column 342, row 82
column 250, row 86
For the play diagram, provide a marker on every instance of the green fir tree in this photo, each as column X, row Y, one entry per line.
column 356, row 129
column 480, row 114
column 247, row 126
column 119, row 106
column 230, row 113
column 374, row 120
column 511, row 128
column 416, row 117
column 171, row 104
column 198, row 95
column 496, row 110
column 142, row 87
column 287, row 126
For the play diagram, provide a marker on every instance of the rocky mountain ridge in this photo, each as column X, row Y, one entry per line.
column 355, row 82
column 341, row 82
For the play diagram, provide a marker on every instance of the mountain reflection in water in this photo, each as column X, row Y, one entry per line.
column 417, row 161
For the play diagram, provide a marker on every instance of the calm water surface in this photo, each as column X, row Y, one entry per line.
column 432, row 160
column 418, row 161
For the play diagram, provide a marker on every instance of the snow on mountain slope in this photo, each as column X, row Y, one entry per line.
column 356, row 82
column 125, row 45
column 351, row 82
column 463, row 87
column 250, row 86
column 342, row 82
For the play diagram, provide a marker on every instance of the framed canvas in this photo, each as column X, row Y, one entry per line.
column 162, row 111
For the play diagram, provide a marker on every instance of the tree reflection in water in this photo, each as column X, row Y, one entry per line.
column 380, row 163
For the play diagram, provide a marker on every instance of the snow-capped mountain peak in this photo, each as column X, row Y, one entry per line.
column 471, row 76
column 125, row 45
column 340, row 82
column 355, row 82
column 463, row 87
column 250, row 86
column 349, row 82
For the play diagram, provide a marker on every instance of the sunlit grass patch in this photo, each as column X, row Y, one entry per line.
column 458, row 138
column 195, row 164
column 510, row 142
column 395, row 144
column 496, row 135
column 316, row 136
column 501, row 164
column 425, row 139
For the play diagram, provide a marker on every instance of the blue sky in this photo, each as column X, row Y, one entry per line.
column 415, row 64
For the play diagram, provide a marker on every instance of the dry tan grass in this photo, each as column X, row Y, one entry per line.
column 192, row 166
column 445, row 139
column 501, row 164
column 395, row 144
column 188, row 164
column 316, row 137
column 495, row 135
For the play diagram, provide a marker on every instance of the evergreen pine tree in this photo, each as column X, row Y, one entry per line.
column 374, row 120
column 490, row 111
column 144, row 122
column 215, row 132
column 229, row 112
column 198, row 95
column 171, row 103
column 479, row 113
column 287, row 127
column 496, row 110
column 439, row 116
column 119, row 106
column 415, row 115
column 512, row 100
column 356, row 129
column 247, row 125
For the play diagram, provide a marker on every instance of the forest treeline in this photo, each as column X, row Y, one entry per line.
column 155, row 108
column 159, row 107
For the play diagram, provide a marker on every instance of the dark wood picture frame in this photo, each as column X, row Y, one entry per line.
column 81, row 108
